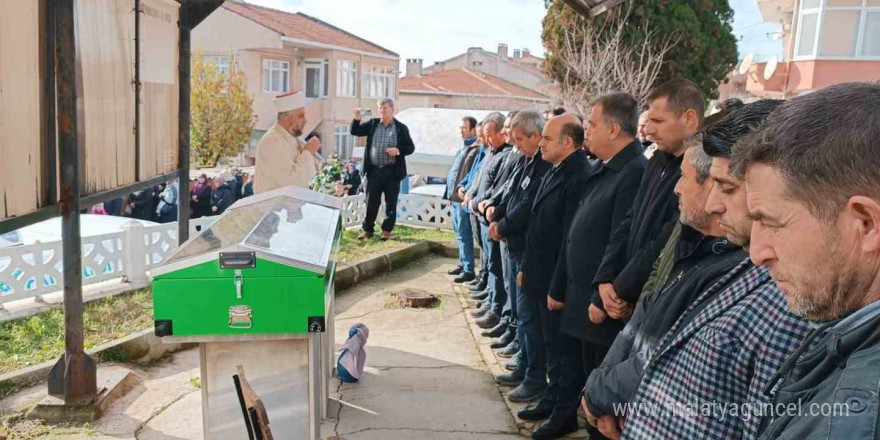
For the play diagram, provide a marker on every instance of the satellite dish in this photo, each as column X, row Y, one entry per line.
column 746, row 63
column 770, row 68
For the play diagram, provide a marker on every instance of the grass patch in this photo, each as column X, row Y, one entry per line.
column 351, row 249
column 40, row 338
column 17, row 427
column 196, row 382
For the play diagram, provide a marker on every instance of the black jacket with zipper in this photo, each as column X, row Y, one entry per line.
column 640, row 238
column 700, row 261
column 514, row 212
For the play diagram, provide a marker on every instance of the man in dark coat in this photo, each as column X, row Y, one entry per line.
column 608, row 196
column 675, row 111
column 492, row 175
column 812, row 190
column 388, row 144
column 553, row 209
column 222, row 197
column 700, row 256
column 510, row 221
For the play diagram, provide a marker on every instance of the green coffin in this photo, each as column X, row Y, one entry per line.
column 265, row 266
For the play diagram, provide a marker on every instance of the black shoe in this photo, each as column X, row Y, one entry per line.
column 505, row 339
column 496, row 331
column 478, row 287
column 479, row 278
column 511, row 379
column 480, row 296
column 464, row 277
column 510, row 350
column 456, row 271
column 480, row 311
column 527, row 392
column 536, row 412
column 488, row 321
column 553, row 429
column 511, row 364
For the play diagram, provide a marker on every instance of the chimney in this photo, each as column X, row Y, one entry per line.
column 525, row 52
column 502, row 50
column 414, row 67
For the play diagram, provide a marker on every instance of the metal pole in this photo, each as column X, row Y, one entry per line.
column 73, row 377
column 137, row 91
column 183, row 136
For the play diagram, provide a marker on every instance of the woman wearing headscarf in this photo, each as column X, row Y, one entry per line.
column 200, row 197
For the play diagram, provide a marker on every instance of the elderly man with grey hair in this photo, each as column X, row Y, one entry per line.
column 509, row 222
column 388, row 142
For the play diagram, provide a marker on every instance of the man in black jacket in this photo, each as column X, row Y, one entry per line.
column 492, row 175
column 510, row 220
column 675, row 111
column 553, row 209
column 608, row 196
column 388, row 144
column 701, row 255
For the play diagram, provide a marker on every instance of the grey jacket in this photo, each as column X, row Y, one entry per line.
column 834, row 380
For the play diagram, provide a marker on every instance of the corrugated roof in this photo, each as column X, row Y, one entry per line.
column 464, row 81
column 304, row 27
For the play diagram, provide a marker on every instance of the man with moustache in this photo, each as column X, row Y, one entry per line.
column 554, row 207
column 724, row 349
column 510, row 220
column 608, row 196
column 492, row 175
column 674, row 114
column 813, row 191
column 699, row 255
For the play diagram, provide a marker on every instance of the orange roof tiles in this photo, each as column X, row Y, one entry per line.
column 304, row 27
column 464, row 81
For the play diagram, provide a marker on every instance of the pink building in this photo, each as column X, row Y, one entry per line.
column 282, row 52
column 825, row 42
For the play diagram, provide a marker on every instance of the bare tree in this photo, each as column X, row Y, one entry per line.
column 596, row 60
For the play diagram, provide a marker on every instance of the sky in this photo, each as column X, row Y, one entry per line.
column 438, row 30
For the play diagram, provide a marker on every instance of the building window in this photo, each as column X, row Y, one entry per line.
column 871, row 34
column 477, row 63
column 378, row 82
column 838, row 29
column 344, row 141
column 317, row 76
column 346, row 79
column 222, row 63
column 276, row 76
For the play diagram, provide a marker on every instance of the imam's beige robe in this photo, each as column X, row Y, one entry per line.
column 282, row 161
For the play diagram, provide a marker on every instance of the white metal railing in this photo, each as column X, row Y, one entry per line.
column 35, row 270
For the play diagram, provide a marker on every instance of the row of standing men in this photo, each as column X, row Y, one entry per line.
column 625, row 286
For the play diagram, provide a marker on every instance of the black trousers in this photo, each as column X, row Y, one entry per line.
column 553, row 348
column 382, row 181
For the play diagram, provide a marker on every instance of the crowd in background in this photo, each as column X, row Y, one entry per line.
column 722, row 283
